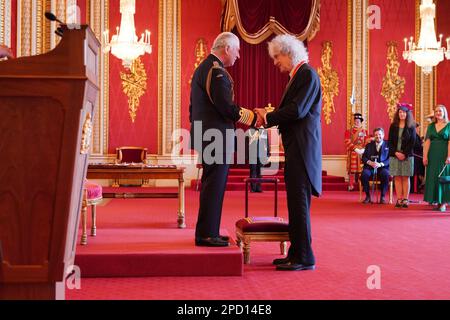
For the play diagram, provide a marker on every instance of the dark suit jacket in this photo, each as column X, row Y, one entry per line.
column 371, row 150
column 221, row 113
column 408, row 141
column 298, row 119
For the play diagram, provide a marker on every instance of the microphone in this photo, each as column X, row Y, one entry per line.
column 50, row 16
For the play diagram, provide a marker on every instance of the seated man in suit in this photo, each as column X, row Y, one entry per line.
column 376, row 157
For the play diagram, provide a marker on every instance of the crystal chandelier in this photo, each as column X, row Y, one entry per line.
column 125, row 44
column 428, row 52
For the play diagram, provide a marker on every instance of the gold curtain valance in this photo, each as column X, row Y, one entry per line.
column 231, row 18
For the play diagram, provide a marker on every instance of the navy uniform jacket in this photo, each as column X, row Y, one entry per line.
column 212, row 103
column 298, row 118
column 371, row 150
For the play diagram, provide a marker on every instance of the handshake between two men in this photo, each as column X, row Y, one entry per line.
column 261, row 113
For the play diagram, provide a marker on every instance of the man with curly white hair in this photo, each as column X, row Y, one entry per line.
column 298, row 120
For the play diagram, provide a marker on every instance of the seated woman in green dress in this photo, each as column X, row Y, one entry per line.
column 436, row 156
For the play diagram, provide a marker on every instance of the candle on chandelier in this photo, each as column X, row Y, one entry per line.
column 106, row 36
column 406, row 40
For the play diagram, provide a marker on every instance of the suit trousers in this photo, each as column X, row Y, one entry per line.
column 382, row 176
column 214, row 181
column 299, row 191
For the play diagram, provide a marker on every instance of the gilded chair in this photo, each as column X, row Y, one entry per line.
column 134, row 155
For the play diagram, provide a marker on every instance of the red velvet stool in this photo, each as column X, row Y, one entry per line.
column 261, row 228
column 92, row 196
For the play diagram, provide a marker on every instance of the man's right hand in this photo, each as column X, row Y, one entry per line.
column 259, row 121
column 5, row 52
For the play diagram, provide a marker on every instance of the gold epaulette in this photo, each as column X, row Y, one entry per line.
column 247, row 117
column 216, row 65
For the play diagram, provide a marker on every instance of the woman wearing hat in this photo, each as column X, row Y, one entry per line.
column 356, row 139
column 436, row 155
column 402, row 137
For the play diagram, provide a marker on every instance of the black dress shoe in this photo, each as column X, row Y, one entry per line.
column 293, row 266
column 280, row 261
column 211, row 242
column 382, row 200
column 367, row 200
column 224, row 238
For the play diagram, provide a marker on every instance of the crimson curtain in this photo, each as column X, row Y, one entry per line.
column 292, row 14
column 258, row 81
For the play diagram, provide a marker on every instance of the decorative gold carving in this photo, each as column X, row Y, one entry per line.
column 86, row 134
column 201, row 50
column 134, row 85
column 232, row 19
column 330, row 81
column 393, row 84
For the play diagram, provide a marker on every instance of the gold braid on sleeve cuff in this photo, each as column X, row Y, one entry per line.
column 247, row 117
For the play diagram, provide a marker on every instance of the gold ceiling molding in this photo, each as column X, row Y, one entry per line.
column 393, row 84
column 134, row 85
column 330, row 81
column 232, row 18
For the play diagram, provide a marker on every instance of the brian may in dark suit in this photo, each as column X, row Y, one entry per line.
column 376, row 156
column 298, row 120
column 213, row 114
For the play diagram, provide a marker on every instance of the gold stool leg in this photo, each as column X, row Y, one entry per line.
column 283, row 247
column 94, row 220
column 246, row 252
column 84, row 224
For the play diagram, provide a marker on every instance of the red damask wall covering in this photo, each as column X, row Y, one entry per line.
column 199, row 19
column 333, row 27
column 144, row 131
column 397, row 22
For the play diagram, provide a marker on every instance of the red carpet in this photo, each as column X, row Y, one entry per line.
column 410, row 246
column 133, row 242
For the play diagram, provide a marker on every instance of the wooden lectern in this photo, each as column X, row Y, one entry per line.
column 47, row 104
